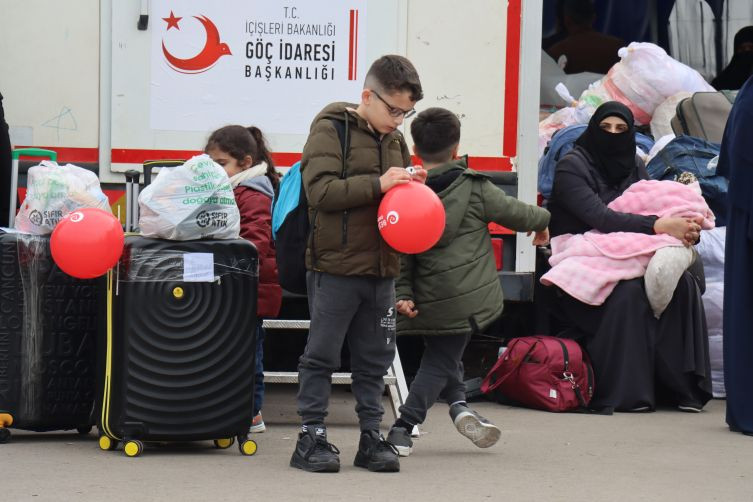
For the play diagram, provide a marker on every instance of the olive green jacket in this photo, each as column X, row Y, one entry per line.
column 344, row 236
column 455, row 285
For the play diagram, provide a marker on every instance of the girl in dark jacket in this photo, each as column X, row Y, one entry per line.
column 243, row 153
column 635, row 356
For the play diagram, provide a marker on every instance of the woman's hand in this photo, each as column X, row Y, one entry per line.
column 407, row 308
column 683, row 229
column 540, row 238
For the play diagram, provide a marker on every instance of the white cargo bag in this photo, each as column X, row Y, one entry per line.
column 191, row 201
column 53, row 192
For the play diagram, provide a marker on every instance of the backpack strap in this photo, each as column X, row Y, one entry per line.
column 343, row 133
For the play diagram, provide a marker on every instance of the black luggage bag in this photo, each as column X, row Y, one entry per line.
column 178, row 363
column 49, row 324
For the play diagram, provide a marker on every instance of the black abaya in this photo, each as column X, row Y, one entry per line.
column 634, row 354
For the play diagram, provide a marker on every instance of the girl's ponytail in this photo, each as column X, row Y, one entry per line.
column 263, row 155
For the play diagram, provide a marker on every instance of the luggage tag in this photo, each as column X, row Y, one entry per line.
column 198, row 267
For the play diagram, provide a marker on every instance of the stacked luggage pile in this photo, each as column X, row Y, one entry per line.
column 160, row 349
column 687, row 120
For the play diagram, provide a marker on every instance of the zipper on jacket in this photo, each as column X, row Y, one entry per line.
column 312, row 231
column 382, row 267
column 345, row 228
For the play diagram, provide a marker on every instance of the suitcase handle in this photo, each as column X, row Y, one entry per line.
column 34, row 152
column 15, row 155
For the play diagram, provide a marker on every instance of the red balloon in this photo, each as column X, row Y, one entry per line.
column 87, row 243
column 411, row 218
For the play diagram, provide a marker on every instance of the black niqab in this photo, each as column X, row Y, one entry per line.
column 613, row 153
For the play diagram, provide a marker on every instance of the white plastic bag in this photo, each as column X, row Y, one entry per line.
column 53, row 192
column 664, row 113
column 552, row 74
column 643, row 79
column 579, row 111
column 191, row 201
column 645, row 76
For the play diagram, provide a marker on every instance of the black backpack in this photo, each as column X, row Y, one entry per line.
column 293, row 234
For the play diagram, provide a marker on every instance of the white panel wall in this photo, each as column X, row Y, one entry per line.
column 459, row 51
column 49, row 71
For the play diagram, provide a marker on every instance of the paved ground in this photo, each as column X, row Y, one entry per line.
column 667, row 456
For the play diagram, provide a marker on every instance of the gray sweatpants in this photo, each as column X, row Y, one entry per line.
column 361, row 310
column 440, row 374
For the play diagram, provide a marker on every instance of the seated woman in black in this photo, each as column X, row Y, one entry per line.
column 635, row 356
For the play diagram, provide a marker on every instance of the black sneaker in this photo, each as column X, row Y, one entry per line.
column 376, row 454
column 401, row 440
column 691, row 407
column 470, row 424
column 313, row 453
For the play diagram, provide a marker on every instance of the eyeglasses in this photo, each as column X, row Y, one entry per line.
column 394, row 111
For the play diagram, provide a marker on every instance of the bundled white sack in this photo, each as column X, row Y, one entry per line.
column 713, row 300
column 663, row 273
column 191, row 201
column 53, row 192
column 664, row 113
column 711, row 248
column 552, row 74
column 646, row 75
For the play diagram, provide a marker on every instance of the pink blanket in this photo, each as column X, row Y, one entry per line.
column 588, row 266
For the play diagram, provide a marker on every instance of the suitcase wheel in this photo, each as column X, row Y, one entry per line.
column 84, row 429
column 107, row 444
column 4, row 435
column 6, row 419
column 133, row 448
column 247, row 447
column 223, row 444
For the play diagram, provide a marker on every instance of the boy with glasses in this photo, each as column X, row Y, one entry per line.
column 351, row 270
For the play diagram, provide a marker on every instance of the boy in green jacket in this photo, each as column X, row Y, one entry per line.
column 350, row 270
column 452, row 290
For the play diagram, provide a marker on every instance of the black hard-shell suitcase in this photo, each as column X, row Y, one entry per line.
column 178, row 363
column 49, row 324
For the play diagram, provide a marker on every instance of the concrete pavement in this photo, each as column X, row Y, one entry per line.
column 667, row 456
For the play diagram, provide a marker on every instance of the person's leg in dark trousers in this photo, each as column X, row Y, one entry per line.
column 5, row 167
column 333, row 301
column 259, row 378
column 438, row 374
column 441, row 374
column 257, row 425
column 371, row 339
column 372, row 343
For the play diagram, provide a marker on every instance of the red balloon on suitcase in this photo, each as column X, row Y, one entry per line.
column 87, row 243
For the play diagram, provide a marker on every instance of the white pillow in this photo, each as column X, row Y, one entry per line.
column 663, row 273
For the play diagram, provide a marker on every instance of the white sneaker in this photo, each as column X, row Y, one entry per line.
column 257, row 425
column 470, row 424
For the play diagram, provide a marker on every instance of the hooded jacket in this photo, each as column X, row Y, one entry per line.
column 455, row 284
column 254, row 198
column 344, row 238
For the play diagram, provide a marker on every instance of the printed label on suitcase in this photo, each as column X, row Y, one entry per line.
column 198, row 267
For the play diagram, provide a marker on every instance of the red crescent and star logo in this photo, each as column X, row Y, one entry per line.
column 213, row 49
